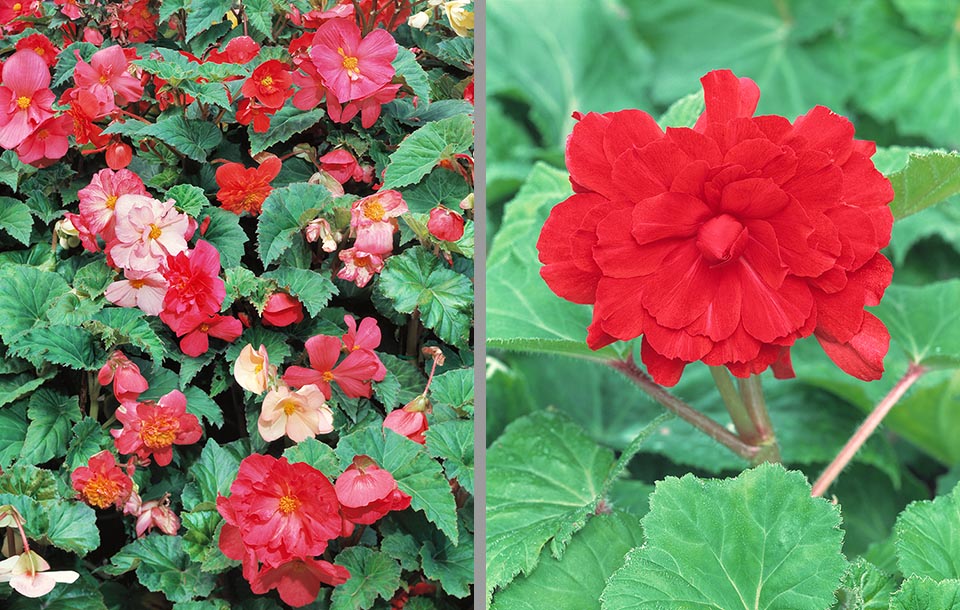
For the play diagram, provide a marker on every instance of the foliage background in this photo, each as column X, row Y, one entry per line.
column 888, row 65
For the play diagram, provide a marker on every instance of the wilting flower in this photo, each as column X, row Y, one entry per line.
column 253, row 370
column 353, row 66
column 298, row 580
column 726, row 242
column 157, row 513
column 359, row 267
column 373, row 219
column 319, row 230
column 282, row 310
column 25, row 98
column 101, row 483
column 353, row 374
column 367, row 492
column 143, row 289
column 445, row 224
column 194, row 284
column 410, row 420
column 196, row 329
column 299, row 415
column 153, row 428
column 128, row 383
column 28, row 574
column 107, row 78
column 147, row 231
column 244, row 189
column 270, row 84
column 98, row 200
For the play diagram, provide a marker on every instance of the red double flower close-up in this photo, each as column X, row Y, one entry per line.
column 725, row 242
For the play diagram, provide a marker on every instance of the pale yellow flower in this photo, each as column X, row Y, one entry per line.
column 461, row 20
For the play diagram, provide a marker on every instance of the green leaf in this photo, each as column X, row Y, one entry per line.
column 865, row 587
column 451, row 564
column 402, row 547
column 286, row 123
column 190, row 199
column 452, row 441
column 926, row 594
column 241, row 283
column 276, row 344
column 88, row 438
column 259, row 15
column 202, row 541
column 577, row 579
column 924, row 321
column 454, row 388
column 67, row 61
column 204, row 14
column 211, row 475
column 440, row 187
column 544, row 479
column 13, row 387
column 319, row 455
column 416, row 473
column 419, row 280
column 372, row 575
column 928, row 537
column 190, row 367
column 163, row 566
column 52, row 416
column 422, row 150
column 27, row 295
column 927, row 179
column 522, row 313
column 226, row 235
column 193, row 138
column 130, row 325
column 16, row 220
column 684, row 112
column 564, row 57
column 756, row 541
column 93, row 278
column 27, row 480
column 72, row 527
column 200, row 404
column 413, row 76
column 311, row 288
column 286, row 212
column 13, row 431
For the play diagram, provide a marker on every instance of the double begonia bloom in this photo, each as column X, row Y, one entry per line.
column 128, row 383
column 28, row 574
column 194, row 284
column 270, row 84
column 277, row 512
column 373, row 219
column 107, row 77
column 244, row 189
column 239, row 50
column 298, row 415
column 143, row 289
column 353, row 66
column 282, row 310
column 353, row 374
column 410, row 420
column 359, row 267
column 445, row 224
column 101, row 483
column 152, row 429
column 147, row 232
column 41, row 45
column 367, row 492
column 26, row 100
column 298, row 580
column 98, row 200
column 196, row 328
column 726, row 242
column 253, row 370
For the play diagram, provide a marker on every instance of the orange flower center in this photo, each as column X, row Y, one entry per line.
column 288, row 504
column 103, row 79
column 257, row 368
column 155, row 232
column 327, row 376
column 374, row 211
column 111, row 202
column 159, row 432
column 17, row 6
column 204, row 327
column 43, row 134
column 251, row 202
column 23, row 102
column 267, row 81
column 289, row 407
column 38, row 50
column 101, row 491
column 136, row 284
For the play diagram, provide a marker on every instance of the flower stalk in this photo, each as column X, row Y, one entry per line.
column 751, row 390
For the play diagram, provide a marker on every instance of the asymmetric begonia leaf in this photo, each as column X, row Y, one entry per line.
column 927, row 179
column 29, row 292
column 373, row 575
column 72, row 526
column 452, row 441
column 454, row 388
column 88, row 439
column 211, row 475
column 450, row 564
column 757, row 542
column 203, row 14
column 317, row 454
column 285, row 124
column 426, row 147
column 193, row 138
column 52, row 416
column 928, row 537
column 922, row 593
column 865, row 587
column 129, row 325
column 413, row 75
column 190, row 199
column 312, row 289
column 16, row 220
column 577, row 579
column 226, row 235
column 163, row 565
column 13, row 431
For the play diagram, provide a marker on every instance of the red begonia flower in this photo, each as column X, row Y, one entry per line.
column 194, row 285
column 282, row 310
column 41, row 45
column 726, row 242
column 342, row 165
column 48, row 142
column 239, row 50
column 353, row 374
column 249, row 111
column 244, row 189
column 409, row 423
column 197, row 328
column 128, row 383
column 367, row 492
column 101, row 483
column 154, row 428
column 445, row 224
column 298, row 581
column 270, row 84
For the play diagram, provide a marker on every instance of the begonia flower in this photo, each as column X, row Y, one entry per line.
column 197, row 328
column 359, row 267
column 194, row 284
column 101, row 483
column 319, row 230
column 270, row 84
column 353, row 374
column 152, row 429
column 118, row 155
column 41, row 45
column 366, row 337
column 312, row 89
column 98, row 200
column 726, row 242
column 14, row 14
column 353, row 66
column 147, row 232
column 461, row 20
column 107, row 78
column 157, row 514
column 244, row 189
column 128, row 382
column 281, row 310
column 28, row 574
column 368, row 107
column 253, row 370
column 367, row 492
column 26, row 100
column 249, row 111
column 445, row 224
column 142, row 289
column 342, row 165
column 239, row 50
column 373, row 219
column 410, row 420
column 298, row 580
column 48, row 142
column 299, row 415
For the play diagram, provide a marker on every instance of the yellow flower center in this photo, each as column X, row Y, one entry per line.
column 159, row 432
column 101, row 491
column 204, row 328
column 38, row 50
column 327, row 376
column 257, row 368
column 289, row 407
column 374, row 211
column 23, row 102
column 288, row 504
column 267, row 81
column 111, row 202
column 351, row 64
column 136, row 284
column 155, row 232
column 17, row 6
column 103, row 79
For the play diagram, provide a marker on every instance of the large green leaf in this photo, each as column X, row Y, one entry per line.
column 163, row 566
column 925, row 321
column 285, row 212
column 286, row 123
column 67, row 345
column 203, row 14
column 865, row 587
column 927, row 179
column 928, row 537
column 452, row 441
column 757, row 542
column 190, row 199
column 52, row 416
column 211, row 475
column 13, row 431
column 193, row 138
column 926, row 594
column 522, row 313
column 561, row 57
column 413, row 75
column 577, row 579
column 72, row 526
column 449, row 563
column 27, row 295
column 419, row 280
column 311, row 288
column 422, row 150
column 15, row 219
column 373, row 575
column 129, row 325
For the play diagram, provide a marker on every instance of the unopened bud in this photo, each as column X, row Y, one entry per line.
column 324, row 178
column 419, row 21
column 467, row 202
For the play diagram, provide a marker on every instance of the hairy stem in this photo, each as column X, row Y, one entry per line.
column 914, row 372
column 751, row 390
column 684, row 411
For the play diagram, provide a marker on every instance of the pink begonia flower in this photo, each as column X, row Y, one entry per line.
column 106, row 75
column 194, row 284
column 153, row 428
column 367, row 337
column 28, row 574
column 26, row 100
column 368, row 106
column 353, row 67
column 298, row 581
column 69, row 8
column 128, row 383
column 359, row 267
column 157, row 513
column 48, row 142
column 147, row 231
column 253, row 370
column 87, row 237
column 319, row 230
column 143, row 289
column 301, row 414
column 197, row 328
column 367, row 492
column 342, row 165
column 371, row 217
column 93, row 36
column 98, row 199
column 353, row 374
column 311, row 87
column 410, row 420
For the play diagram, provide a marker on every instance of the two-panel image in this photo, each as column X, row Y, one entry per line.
column 502, row 305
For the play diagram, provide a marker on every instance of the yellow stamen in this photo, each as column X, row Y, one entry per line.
column 101, row 491
column 288, row 504
column 327, row 376
column 136, row 284
column 289, row 407
column 111, row 202
column 374, row 211
column 155, row 232
column 267, row 81
column 159, row 432
column 23, row 102
column 350, row 63
column 16, row 7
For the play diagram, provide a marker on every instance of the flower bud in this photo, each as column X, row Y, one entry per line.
column 419, row 21
column 282, row 310
column 67, row 234
column 444, row 224
column 253, row 370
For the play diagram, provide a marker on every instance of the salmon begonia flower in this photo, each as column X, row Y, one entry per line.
column 194, row 284
column 26, row 100
column 373, row 219
column 147, row 232
column 367, row 492
column 298, row 415
column 197, row 328
column 359, row 267
column 342, row 165
column 445, row 224
column 244, row 189
column 282, row 310
column 107, row 78
column 28, row 574
column 353, row 66
column 143, row 289
column 367, row 337
column 101, row 483
column 152, row 429
column 48, row 142
column 353, row 374
column 410, row 420
column 253, row 370
column 128, row 383
column 298, row 580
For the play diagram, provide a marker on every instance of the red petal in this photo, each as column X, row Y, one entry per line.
column 826, row 131
column 727, row 97
column 679, row 292
column 619, row 310
column 570, row 273
column 649, row 171
column 666, row 216
column 664, row 371
column 863, row 184
column 862, row 356
column 771, row 314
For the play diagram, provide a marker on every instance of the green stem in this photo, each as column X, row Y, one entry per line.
column 751, row 390
column 94, row 387
column 734, row 403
